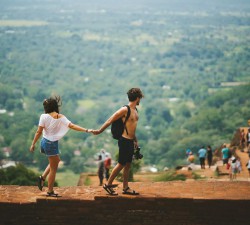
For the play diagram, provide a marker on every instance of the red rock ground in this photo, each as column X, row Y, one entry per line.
column 178, row 189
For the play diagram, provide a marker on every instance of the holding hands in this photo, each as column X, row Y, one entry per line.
column 96, row 132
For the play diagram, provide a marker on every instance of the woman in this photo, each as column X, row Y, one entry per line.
column 53, row 126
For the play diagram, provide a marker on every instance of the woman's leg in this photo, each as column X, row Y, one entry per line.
column 46, row 172
column 53, row 164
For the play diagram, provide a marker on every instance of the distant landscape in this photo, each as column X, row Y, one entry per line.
column 191, row 59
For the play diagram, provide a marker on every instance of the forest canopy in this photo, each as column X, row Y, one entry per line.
column 190, row 58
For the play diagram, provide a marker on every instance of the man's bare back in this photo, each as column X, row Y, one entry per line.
column 131, row 124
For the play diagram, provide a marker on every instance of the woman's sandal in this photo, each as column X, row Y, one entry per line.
column 128, row 191
column 109, row 189
column 52, row 194
column 40, row 182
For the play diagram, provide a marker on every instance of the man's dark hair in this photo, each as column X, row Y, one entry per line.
column 52, row 104
column 134, row 93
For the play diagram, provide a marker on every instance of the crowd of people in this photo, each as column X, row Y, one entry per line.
column 203, row 154
column 231, row 161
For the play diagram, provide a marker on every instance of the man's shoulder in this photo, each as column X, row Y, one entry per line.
column 124, row 108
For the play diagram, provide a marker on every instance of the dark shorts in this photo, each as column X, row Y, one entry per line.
column 126, row 150
column 225, row 161
column 202, row 160
column 49, row 148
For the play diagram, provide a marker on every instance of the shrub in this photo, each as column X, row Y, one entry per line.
column 170, row 176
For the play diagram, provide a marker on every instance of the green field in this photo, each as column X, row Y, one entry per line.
column 21, row 23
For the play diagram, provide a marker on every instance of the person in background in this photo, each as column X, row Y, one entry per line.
column 238, row 164
column 188, row 151
column 202, row 156
column 107, row 165
column 242, row 140
column 209, row 155
column 52, row 126
column 225, row 155
column 248, row 141
column 100, row 171
column 234, row 169
column 248, row 167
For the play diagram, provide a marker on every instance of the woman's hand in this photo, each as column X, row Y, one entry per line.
column 32, row 148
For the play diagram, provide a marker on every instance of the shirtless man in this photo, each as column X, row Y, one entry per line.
column 127, row 143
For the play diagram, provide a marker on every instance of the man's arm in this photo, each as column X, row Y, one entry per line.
column 136, row 144
column 118, row 114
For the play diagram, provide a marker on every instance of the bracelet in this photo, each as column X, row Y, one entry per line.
column 87, row 130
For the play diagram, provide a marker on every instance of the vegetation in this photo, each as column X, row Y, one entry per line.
column 18, row 175
column 190, row 57
column 170, row 176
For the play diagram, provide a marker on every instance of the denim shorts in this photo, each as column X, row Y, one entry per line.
column 49, row 148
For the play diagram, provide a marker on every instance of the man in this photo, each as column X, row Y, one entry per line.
column 225, row 155
column 202, row 155
column 127, row 143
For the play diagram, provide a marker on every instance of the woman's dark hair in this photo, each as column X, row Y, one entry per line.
column 52, row 104
column 134, row 93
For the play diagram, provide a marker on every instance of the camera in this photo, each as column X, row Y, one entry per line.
column 137, row 153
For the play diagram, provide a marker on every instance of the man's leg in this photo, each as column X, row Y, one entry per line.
column 126, row 189
column 201, row 162
column 107, row 173
column 114, row 173
column 126, row 175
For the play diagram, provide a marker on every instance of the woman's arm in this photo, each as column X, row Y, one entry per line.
column 78, row 128
column 36, row 137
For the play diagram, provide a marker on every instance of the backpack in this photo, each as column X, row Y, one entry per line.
column 117, row 127
column 107, row 163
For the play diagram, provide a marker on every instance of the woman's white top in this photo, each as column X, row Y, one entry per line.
column 54, row 129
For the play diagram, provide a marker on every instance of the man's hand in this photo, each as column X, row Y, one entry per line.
column 136, row 144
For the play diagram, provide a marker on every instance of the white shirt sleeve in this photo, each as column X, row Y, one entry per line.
column 65, row 121
column 42, row 121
